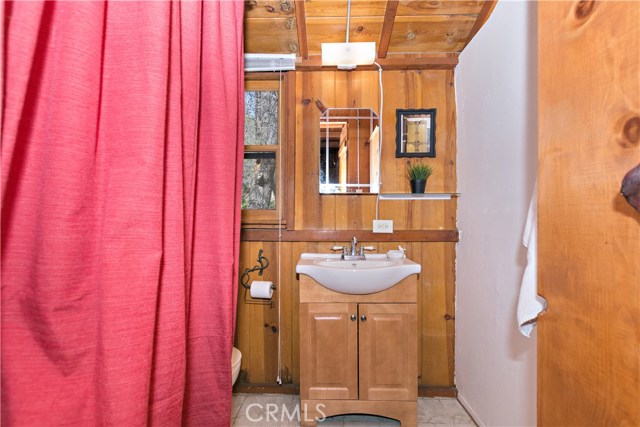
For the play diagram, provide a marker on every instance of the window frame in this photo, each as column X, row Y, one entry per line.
column 268, row 218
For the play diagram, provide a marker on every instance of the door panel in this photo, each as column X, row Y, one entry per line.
column 388, row 352
column 589, row 238
column 329, row 351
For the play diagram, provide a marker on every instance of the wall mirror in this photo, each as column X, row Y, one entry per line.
column 349, row 151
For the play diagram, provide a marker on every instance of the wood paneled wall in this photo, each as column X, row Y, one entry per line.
column 402, row 89
column 353, row 214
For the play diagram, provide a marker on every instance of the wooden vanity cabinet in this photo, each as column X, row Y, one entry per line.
column 329, row 352
column 358, row 353
column 388, row 352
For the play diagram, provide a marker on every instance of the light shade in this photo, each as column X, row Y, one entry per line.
column 348, row 55
column 269, row 62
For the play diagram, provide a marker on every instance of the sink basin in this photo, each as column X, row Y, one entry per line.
column 374, row 274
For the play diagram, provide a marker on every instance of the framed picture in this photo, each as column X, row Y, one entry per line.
column 416, row 133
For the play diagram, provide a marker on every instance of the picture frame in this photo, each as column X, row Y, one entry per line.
column 416, row 133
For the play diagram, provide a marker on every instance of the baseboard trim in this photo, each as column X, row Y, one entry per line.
column 426, row 391
column 470, row 410
column 266, row 388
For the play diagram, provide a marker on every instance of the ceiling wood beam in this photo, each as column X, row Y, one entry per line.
column 301, row 25
column 387, row 28
column 432, row 62
column 483, row 15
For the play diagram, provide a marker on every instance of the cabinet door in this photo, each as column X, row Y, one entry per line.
column 328, row 351
column 388, row 352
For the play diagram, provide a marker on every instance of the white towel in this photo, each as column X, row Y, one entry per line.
column 530, row 304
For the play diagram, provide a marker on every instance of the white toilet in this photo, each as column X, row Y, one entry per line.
column 236, row 361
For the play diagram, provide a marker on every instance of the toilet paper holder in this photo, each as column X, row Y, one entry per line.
column 245, row 278
column 263, row 263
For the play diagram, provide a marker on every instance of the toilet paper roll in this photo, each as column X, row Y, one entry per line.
column 261, row 289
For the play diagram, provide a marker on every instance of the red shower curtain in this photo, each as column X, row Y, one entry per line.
column 121, row 163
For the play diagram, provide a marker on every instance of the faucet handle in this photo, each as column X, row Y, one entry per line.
column 340, row 248
column 366, row 248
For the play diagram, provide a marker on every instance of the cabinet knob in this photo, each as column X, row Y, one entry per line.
column 353, row 317
column 363, row 318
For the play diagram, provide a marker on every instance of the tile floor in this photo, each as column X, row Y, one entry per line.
column 266, row 410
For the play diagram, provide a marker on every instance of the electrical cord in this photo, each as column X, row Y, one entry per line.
column 380, row 138
column 280, row 191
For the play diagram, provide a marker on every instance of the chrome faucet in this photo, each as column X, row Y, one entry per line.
column 354, row 252
column 354, row 247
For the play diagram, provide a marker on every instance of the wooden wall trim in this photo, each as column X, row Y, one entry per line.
column 301, row 24
column 290, row 145
column 271, row 235
column 262, row 76
column 423, row 391
column 430, row 62
column 266, row 388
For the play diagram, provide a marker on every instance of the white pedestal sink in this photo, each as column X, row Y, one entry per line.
column 374, row 274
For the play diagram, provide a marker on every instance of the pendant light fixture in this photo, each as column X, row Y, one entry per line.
column 346, row 56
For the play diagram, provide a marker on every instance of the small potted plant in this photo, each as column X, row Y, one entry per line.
column 418, row 173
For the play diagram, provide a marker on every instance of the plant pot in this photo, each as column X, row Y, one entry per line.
column 418, row 185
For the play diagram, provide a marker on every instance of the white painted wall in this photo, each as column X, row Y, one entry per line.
column 496, row 85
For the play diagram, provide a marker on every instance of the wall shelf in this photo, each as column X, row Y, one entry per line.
column 418, row 196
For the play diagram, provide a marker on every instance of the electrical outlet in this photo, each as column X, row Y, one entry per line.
column 382, row 226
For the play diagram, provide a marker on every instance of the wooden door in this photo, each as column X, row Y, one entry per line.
column 589, row 238
column 328, row 351
column 388, row 352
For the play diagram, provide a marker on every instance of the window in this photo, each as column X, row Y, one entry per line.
column 263, row 124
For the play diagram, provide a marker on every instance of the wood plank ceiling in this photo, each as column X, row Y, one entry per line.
column 408, row 33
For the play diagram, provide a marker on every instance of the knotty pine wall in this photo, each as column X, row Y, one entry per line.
column 316, row 222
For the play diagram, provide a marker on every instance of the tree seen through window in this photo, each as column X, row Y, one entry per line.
column 260, row 139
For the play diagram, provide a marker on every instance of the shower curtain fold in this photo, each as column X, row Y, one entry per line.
column 122, row 128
